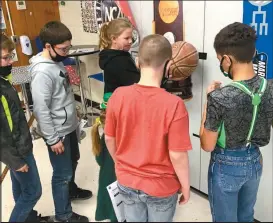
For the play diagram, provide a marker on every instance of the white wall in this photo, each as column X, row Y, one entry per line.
column 71, row 16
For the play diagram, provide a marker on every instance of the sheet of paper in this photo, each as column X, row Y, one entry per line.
column 116, row 201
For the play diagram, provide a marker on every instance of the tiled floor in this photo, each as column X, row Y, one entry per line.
column 196, row 210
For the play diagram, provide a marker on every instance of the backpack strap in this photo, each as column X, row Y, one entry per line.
column 256, row 100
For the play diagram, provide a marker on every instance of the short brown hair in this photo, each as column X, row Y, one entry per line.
column 113, row 28
column 237, row 40
column 55, row 33
column 154, row 50
column 6, row 43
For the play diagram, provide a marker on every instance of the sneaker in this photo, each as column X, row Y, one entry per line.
column 45, row 218
column 76, row 218
column 34, row 217
column 80, row 194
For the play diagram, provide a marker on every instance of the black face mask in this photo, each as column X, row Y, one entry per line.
column 227, row 74
column 5, row 71
column 57, row 58
column 164, row 78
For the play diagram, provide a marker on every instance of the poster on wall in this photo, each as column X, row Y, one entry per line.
column 259, row 15
column 97, row 12
column 168, row 17
column 2, row 19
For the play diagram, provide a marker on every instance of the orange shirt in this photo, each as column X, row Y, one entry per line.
column 147, row 122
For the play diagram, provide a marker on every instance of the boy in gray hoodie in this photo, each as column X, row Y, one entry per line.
column 55, row 111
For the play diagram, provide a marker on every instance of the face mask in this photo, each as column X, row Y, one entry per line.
column 5, row 71
column 57, row 58
column 227, row 74
column 164, row 78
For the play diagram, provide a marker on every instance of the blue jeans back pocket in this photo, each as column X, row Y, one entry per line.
column 163, row 204
column 232, row 176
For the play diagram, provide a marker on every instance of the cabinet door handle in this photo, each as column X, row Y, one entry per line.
column 195, row 135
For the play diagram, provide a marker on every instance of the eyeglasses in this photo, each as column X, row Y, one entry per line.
column 8, row 57
column 64, row 49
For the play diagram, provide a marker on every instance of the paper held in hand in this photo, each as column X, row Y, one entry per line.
column 116, row 201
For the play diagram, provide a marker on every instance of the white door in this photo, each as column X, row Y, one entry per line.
column 217, row 15
column 264, row 207
column 194, row 34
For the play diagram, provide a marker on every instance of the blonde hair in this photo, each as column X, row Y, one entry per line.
column 95, row 136
column 154, row 50
column 112, row 29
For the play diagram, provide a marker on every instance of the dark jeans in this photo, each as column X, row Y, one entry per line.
column 233, row 182
column 27, row 190
column 63, row 179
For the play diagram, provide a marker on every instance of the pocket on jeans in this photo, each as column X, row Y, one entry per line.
column 126, row 195
column 163, row 204
column 123, row 189
column 232, row 177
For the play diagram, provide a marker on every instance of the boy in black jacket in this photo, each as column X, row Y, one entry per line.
column 16, row 144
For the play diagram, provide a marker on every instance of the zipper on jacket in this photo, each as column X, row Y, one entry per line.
column 65, row 116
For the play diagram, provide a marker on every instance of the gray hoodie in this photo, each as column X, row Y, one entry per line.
column 53, row 99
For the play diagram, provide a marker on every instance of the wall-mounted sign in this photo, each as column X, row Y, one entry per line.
column 259, row 15
column 21, row 5
column 95, row 13
column 168, row 17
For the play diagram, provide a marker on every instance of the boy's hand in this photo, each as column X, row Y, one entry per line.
column 23, row 169
column 213, row 86
column 58, row 148
column 184, row 198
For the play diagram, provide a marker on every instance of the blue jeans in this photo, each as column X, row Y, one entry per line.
column 64, row 167
column 140, row 207
column 27, row 190
column 233, row 182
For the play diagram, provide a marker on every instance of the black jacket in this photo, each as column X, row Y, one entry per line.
column 15, row 138
column 119, row 69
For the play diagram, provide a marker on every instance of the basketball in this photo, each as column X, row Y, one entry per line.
column 184, row 60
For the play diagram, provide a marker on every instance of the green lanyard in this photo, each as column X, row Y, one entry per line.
column 256, row 100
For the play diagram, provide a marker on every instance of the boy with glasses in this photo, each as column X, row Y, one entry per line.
column 55, row 111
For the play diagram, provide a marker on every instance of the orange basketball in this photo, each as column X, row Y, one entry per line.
column 184, row 60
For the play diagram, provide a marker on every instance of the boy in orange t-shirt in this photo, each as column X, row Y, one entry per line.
column 147, row 134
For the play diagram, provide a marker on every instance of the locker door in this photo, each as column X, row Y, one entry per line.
column 264, row 207
column 217, row 15
column 194, row 34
